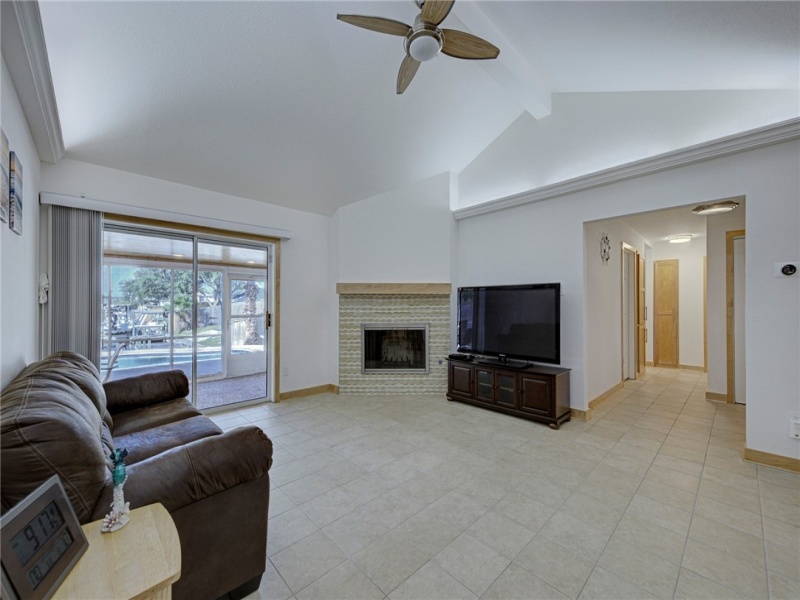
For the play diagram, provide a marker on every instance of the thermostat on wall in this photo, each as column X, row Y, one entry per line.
column 786, row 268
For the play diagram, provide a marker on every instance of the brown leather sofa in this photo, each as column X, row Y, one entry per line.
column 57, row 418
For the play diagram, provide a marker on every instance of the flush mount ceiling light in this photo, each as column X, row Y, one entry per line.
column 680, row 239
column 714, row 208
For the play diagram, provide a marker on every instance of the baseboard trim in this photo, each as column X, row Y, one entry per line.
column 312, row 391
column 787, row 463
column 716, row 397
column 606, row 395
column 684, row 367
column 581, row 415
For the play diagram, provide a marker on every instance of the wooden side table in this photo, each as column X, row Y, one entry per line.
column 141, row 561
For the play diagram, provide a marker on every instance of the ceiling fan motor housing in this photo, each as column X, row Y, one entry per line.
column 424, row 41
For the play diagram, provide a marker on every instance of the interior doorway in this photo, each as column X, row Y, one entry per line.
column 735, row 301
column 630, row 338
column 641, row 314
column 665, row 313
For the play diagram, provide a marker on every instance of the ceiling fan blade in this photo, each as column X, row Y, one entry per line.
column 460, row 44
column 435, row 11
column 378, row 24
column 407, row 71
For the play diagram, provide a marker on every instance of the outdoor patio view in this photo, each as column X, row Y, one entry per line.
column 148, row 321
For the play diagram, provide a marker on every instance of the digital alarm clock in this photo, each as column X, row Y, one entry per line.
column 41, row 540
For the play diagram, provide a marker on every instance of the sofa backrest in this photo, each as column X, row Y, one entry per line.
column 53, row 421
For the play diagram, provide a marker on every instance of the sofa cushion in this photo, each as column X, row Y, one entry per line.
column 50, row 425
column 143, row 390
column 149, row 442
column 153, row 415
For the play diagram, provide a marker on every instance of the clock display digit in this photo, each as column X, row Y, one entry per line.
column 36, row 533
column 48, row 560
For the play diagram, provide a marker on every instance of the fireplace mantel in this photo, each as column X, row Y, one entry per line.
column 436, row 289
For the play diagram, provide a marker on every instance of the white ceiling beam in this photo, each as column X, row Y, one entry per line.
column 524, row 82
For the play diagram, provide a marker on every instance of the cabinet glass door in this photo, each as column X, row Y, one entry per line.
column 506, row 389
column 484, row 388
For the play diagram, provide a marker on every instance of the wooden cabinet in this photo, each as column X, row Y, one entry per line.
column 496, row 387
column 460, row 380
column 536, row 393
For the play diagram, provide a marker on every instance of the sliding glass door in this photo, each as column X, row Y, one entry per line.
column 176, row 301
column 240, row 323
column 147, row 297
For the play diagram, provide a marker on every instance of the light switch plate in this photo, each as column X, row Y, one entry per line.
column 794, row 426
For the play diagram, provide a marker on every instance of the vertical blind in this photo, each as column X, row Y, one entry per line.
column 76, row 281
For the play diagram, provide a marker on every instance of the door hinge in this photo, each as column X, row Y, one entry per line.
column 269, row 319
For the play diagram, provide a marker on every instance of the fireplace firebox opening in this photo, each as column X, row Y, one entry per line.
column 389, row 347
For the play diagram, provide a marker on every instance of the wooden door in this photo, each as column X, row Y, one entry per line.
column 641, row 324
column 665, row 311
column 536, row 395
column 461, row 379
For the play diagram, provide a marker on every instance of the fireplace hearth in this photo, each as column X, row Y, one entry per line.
column 394, row 347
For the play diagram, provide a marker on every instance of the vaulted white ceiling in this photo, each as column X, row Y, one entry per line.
column 280, row 102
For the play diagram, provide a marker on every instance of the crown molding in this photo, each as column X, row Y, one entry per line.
column 768, row 135
column 32, row 78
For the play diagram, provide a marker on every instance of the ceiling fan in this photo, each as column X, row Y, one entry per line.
column 424, row 40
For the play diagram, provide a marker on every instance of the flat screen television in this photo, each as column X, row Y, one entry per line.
column 511, row 322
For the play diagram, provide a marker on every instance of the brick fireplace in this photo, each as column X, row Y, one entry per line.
column 404, row 314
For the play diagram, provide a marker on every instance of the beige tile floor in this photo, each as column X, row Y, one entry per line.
column 416, row 497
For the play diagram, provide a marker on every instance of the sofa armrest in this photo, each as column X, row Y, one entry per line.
column 189, row 473
column 143, row 390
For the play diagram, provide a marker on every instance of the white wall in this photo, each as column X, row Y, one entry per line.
column 716, row 228
column 19, row 255
column 589, row 132
column 603, row 308
column 543, row 241
column 304, row 265
column 403, row 236
column 396, row 237
column 772, row 325
column 690, row 296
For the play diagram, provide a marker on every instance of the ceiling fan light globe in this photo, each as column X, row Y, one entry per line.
column 423, row 48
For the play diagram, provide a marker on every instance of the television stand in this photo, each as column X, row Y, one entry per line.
column 504, row 364
column 532, row 392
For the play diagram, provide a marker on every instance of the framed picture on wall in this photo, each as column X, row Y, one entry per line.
column 5, row 189
column 15, row 207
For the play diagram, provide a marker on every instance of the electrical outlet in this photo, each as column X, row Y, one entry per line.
column 794, row 426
